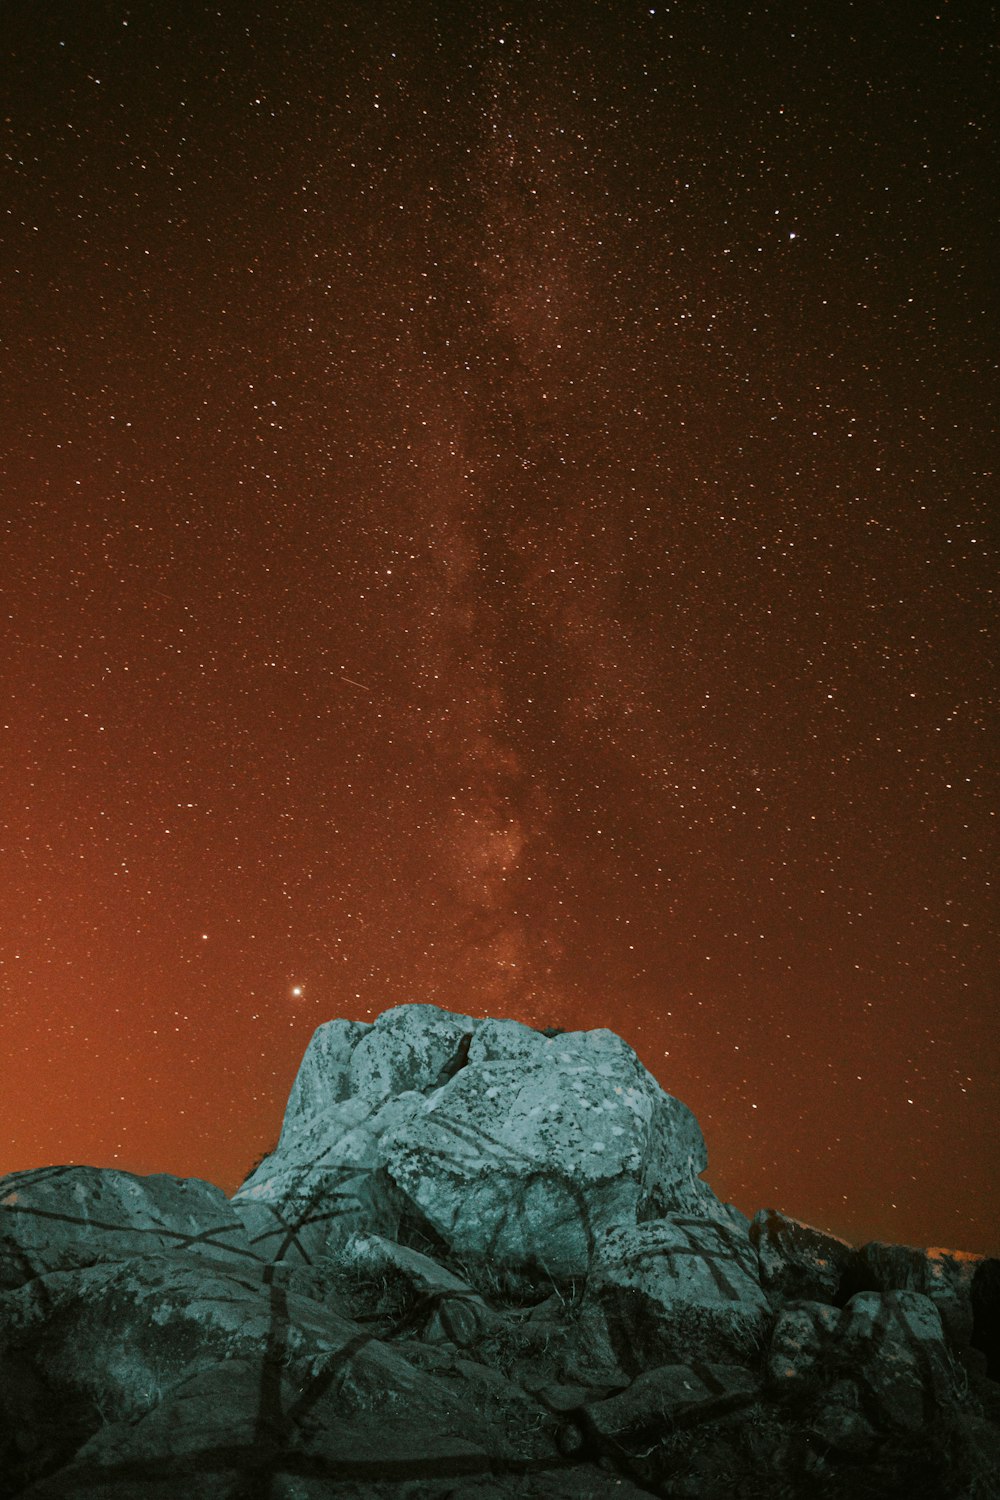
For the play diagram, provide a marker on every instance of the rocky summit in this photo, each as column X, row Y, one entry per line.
column 481, row 1262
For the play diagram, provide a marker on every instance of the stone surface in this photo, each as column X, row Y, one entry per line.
column 890, row 1347
column 107, row 1343
column 422, row 1294
column 480, row 1264
column 115, row 1363
column 797, row 1261
column 669, row 1396
column 801, row 1338
column 323, row 1079
column 522, row 1161
column 56, row 1218
column 838, row 1422
column 222, row 1423
column 306, row 1199
column 411, row 1048
column 945, row 1276
column 894, row 1344
column 677, row 1289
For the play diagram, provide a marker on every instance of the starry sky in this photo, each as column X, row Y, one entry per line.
column 495, row 511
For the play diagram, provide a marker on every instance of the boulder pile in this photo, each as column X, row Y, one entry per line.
column 481, row 1262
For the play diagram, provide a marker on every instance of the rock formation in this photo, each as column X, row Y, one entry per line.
column 481, row 1262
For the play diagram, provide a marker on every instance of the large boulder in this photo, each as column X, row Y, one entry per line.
column 869, row 1401
column 106, row 1344
column 485, row 1140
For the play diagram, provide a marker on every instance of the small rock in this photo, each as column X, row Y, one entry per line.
column 799, row 1343
column 839, row 1424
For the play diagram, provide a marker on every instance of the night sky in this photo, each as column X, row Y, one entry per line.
column 495, row 508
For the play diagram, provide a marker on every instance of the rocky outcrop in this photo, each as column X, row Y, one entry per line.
column 799, row 1262
column 481, row 1262
column 485, row 1140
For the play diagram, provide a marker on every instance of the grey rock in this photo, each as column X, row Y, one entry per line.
column 323, row 1078
column 324, row 1183
column 218, row 1424
column 570, row 1345
column 889, row 1346
column 412, row 1047
column 480, row 1264
column 680, row 1288
column 894, row 1343
column 424, row 1295
column 800, row 1341
column 57, row 1218
column 797, row 1261
column 508, row 1041
column 105, row 1345
column 838, row 1423
column 520, row 1161
column 945, row 1276
column 153, row 1363
column 503, row 1147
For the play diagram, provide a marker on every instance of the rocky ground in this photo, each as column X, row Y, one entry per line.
column 482, row 1262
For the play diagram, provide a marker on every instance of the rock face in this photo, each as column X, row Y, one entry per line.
column 61, row 1218
column 481, row 1262
column 796, row 1260
column 679, row 1288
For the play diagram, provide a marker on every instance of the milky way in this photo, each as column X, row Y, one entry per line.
column 495, row 509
